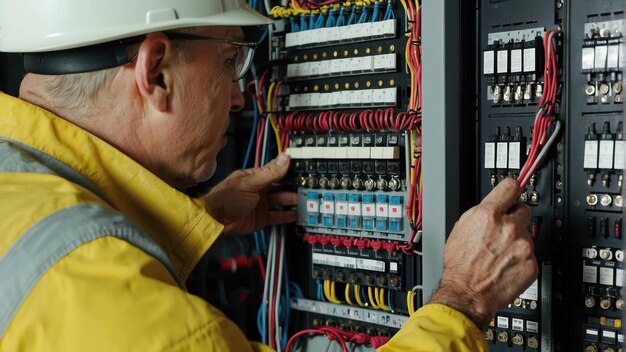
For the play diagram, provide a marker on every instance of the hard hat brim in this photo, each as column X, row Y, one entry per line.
column 239, row 16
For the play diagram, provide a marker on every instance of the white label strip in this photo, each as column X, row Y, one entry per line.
column 370, row 264
column 606, row 276
column 608, row 334
column 347, row 312
column 516, row 60
column 532, row 326
column 502, row 155
column 503, row 322
column 503, row 61
column 490, row 155
column 591, row 155
column 488, row 63
column 518, row 324
column 590, row 274
column 531, row 293
column 605, row 160
column 334, row 260
column 514, row 155
column 588, row 58
column 620, row 155
column 529, row 60
column 619, row 277
column 600, row 57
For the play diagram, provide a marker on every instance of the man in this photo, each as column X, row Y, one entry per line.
column 125, row 102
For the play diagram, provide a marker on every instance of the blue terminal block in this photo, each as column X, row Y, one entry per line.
column 312, row 208
column 341, row 210
column 368, row 211
column 382, row 212
column 354, row 211
column 328, row 209
column 395, row 213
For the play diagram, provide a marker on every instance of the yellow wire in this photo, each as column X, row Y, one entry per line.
column 326, row 294
column 369, row 295
column 333, row 293
column 408, row 302
column 357, row 295
column 348, row 294
column 271, row 116
column 382, row 303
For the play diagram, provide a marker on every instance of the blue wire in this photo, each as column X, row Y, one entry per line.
column 256, row 243
column 389, row 299
column 376, row 13
column 319, row 23
column 263, row 241
column 263, row 36
column 260, row 322
column 312, row 19
column 297, row 290
column 286, row 307
column 252, row 134
column 330, row 22
column 341, row 20
column 320, row 297
column 294, row 25
column 303, row 25
column 352, row 18
column 389, row 15
column 364, row 16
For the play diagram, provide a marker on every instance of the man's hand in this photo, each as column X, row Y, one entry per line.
column 489, row 257
column 241, row 202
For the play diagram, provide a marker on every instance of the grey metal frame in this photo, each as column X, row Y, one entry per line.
column 440, row 136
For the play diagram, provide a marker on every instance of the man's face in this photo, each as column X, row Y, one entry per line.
column 200, row 108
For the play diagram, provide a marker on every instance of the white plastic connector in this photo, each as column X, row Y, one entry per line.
column 606, row 254
column 590, row 253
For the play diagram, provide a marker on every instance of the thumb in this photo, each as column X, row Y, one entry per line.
column 271, row 172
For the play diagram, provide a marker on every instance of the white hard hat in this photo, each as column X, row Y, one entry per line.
column 30, row 26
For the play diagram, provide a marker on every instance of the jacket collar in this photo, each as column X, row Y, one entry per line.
column 179, row 223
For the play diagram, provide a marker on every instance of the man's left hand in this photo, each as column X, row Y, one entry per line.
column 242, row 203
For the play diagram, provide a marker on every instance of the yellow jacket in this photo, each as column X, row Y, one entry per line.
column 109, row 295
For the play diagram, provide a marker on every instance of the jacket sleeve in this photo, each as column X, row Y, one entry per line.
column 434, row 328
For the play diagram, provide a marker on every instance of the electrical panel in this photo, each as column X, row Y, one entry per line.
column 597, row 161
column 345, row 81
column 575, row 193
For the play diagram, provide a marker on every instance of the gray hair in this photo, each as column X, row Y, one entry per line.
column 74, row 92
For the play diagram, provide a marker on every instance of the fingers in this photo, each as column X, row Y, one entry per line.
column 282, row 199
column 503, row 196
column 520, row 213
column 274, row 171
column 282, row 217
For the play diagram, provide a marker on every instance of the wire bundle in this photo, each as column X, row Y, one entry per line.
column 312, row 13
column 273, row 316
column 540, row 143
column 341, row 336
column 337, row 121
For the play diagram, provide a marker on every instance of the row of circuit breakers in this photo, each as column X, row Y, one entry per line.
column 346, row 99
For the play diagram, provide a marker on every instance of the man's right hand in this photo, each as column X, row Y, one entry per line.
column 489, row 257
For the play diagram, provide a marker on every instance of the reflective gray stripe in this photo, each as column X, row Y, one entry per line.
column 52, row 238
column 16, row 156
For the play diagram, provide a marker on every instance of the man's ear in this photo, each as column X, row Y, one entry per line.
column 153, row 80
